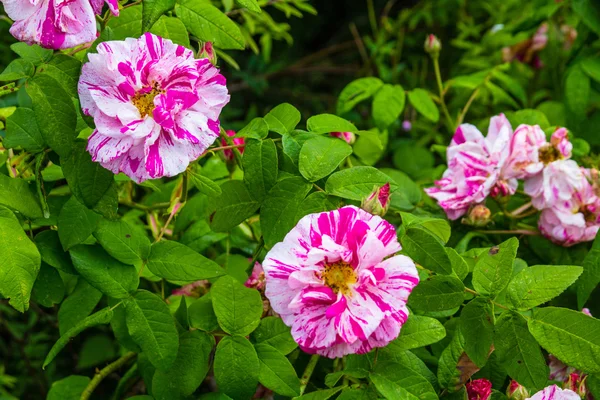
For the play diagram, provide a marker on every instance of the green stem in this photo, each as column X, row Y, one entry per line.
column 259, row 248
column 142, row 207
column 310, row 367
column 104, row 372
column 438, row 78
column 372, row 18
column 461, row 117
column 474, row 293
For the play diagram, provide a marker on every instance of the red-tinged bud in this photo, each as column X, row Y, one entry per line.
column 349, row 137
column 479, row 216
column 378, row 202
column 516, row 391
column 228, row 153
column 207, row 51
column 479, row 389
column 433, row 45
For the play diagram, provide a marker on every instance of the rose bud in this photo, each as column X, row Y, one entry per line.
column 378, row 202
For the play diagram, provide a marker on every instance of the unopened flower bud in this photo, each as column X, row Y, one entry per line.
column 516, row 391
column 207, row 51
column 576, row 383
column 378, row 202
column 349, row 137
column 479, row 389
column 228, row 153
column 433, row 45
column 478, row 216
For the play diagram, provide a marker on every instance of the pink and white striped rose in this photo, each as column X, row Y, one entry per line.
column 555, row 393
column 56, row 24
column 556, row 184
column 337, row 281
column 474, row 169
column 155, row 106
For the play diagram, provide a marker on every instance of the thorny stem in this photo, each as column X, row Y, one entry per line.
column 310, row 367
column 438, row 78
column 104, row 372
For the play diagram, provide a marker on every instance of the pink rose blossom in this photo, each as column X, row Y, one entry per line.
column 474, row 169
column 555, row 393
column 228, row 153
column 349, row 137
column 555, row 185
column 156, row 108
column 337, row 281
column 56, row 24
column 479, row 389
column 256, row 280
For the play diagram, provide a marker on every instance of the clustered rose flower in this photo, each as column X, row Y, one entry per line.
column 56, row 24
column 156, row 107
column 338, row 281
column 478, row 167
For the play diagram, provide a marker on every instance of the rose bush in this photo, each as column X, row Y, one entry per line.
column 268, row 199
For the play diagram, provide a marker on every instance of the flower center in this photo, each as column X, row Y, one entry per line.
column 339, row 276
column 588, row 214
column 144, row 102
column 549, row 153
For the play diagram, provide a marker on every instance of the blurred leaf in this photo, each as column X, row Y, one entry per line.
column 421, row 101
column 590, row 277
column 388, row 105
column 357, row 91
column 69, row 388
column 326, row 123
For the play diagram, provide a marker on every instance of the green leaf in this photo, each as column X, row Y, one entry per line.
column 408, row 359
column 276, row 372
column 493, row 269
column 590, row 277
column 274, row 332
column 78, row 305
column 111, row 277
column 33, row 53
column 209, row 24
column 19, row 195
column 152, row 327
column 173, row 29
column 99, row 318
column 437, row 293
column 477, row 329
column 320, row 394
column 577, row 90
column 416, row 161
column 20, row 261
column 17, row 69
column 283, row 118
column 326, row 123
column 357, row 91
column 75, row 223
column 591, row 66
column 518, row 352
column 152, row 10
column 395, row 381
column 528, row 117
column 256, row 129
column 69, row 388
column 49, row 288
column 421, row 101
column 426, row 249
column 260, row 167
column 589, row 11
column 122, row 241
column 190, row 367
column 388, row 105
column 129, row 24
column 118, row 324
column 205, row 185
column 572, row 336
column 201, row 314
column 22, row 130
column 279, row 209
column 292, row 143
column 455, row 368
column 236, row 367
column 459, row 265
column 66, row 70
column 538, row 284
column 357, row 183
column 251, row 5
column 320, row 156
column 88, row 180
column 419, row 331
column 175, row 261
column 234, row 206
column 238, row 308
column 54, row 112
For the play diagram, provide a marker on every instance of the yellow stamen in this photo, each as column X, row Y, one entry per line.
column 144, row 102
column 339, row 277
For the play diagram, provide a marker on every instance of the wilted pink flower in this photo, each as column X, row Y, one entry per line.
column 479, row 389
column 516, row 391
column 56, row 24
column 256, row 279
column 555, row 393
column 378, row 202
column 194, row 289
column 527, row 50
column 556, row 184
column 156, row 108
column 349, row 137
column 569, row 36
column 335, row 279
column 228, row 153
column 474, row 169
